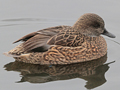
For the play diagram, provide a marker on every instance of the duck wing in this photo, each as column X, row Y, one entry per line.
column 67, row 37
column 39, row 38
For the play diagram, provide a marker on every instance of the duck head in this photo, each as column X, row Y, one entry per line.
column 91, row 25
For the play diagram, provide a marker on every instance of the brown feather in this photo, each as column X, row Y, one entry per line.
column 35, row 42
column 39, row 38
column 48, row 31
column 26, row 37
column 79, row 43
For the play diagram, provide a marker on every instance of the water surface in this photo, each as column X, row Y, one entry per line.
column 19, row 18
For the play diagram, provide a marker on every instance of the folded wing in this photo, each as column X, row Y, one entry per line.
column 38, row 39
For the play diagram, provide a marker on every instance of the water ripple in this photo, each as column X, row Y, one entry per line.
column 36, row 19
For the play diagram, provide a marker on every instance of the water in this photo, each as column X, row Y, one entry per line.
column 19, row 18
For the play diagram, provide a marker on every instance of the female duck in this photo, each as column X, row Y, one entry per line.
column 64, row 44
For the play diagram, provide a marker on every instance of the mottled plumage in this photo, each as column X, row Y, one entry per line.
column 64, row 44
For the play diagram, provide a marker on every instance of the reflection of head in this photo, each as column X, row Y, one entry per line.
column 98, row 78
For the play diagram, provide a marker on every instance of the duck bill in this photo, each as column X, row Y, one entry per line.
column 108, row 34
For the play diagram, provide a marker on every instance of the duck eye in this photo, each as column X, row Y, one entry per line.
column 96, row 25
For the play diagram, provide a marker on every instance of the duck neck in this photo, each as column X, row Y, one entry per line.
column 80, row 27
column 77, row 25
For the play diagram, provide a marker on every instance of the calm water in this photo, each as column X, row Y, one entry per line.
column 18, row 18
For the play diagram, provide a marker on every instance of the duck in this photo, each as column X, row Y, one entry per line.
column 64, row 44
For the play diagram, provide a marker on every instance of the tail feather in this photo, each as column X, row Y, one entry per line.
column 10, row 54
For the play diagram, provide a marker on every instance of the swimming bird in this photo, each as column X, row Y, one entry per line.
column 64, row 44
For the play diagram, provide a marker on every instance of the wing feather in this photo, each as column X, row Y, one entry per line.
column 26, row 37
column 35, row 42
column 39, row 38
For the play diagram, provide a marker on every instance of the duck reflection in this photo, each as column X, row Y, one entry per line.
column 93, row 72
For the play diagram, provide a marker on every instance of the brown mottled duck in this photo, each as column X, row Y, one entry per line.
column 64, row 44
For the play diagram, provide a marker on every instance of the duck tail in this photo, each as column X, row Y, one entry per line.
column 16, row 52
column 10, row 54
column 30, row 58
column 19, row 54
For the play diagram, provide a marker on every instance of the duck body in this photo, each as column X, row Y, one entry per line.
column 64, row 44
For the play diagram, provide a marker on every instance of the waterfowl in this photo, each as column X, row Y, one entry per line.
column 64, row 44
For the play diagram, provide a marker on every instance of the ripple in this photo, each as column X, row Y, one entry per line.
column 113, row 41
column 11, row 25
column 28, row 21
column 36, row 19
column 24, row 19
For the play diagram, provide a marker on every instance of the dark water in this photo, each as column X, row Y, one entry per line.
column 18, row 18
